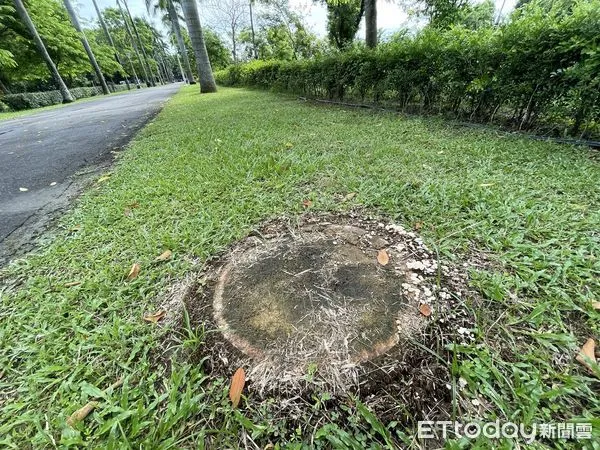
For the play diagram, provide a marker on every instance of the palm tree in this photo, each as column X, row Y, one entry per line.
column 111, row 42
column 86, row 46
column 62, row 87
column 133, row 43
column 254, row 49
column 169, row 6
column 207, row 81
column 137, row 35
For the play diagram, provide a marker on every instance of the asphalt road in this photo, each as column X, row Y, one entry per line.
column 40, row 154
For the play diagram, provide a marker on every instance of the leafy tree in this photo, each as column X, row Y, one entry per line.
column 343, row 20
column 26, row 19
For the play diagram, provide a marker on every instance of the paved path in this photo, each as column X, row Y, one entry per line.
column 42, row 152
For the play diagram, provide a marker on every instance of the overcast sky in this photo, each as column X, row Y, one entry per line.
column 390, row 16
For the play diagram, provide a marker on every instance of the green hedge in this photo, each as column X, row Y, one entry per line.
column 30, row 100
column 540, row 71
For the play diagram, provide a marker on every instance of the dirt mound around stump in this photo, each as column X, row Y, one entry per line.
column 314, row 302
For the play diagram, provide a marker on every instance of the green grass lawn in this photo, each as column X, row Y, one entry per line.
column 210, row 168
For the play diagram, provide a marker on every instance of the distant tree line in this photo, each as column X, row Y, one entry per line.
column 43, row 45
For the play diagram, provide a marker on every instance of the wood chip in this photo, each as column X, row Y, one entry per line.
column 383, row 257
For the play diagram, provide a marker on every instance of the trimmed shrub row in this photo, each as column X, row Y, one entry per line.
column 30, row 100
column 541, row 71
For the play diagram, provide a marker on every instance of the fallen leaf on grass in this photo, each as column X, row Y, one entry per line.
column 134, row 271
column 425, row 309
column 587, row 351
column 418, row 225
column 164, row 256
column 237, row 386
column 596, row 305
column 382, row 257
column 73, row 283
column 81, row 413
column 127, row 212
column 307, row 203
column 154, row 318
column 349, row 196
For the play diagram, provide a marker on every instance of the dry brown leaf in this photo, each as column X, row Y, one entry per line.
column 307, row 203
column 596, row 305
column 587, row 351
column 81, row 413
column 155, row 317
column 237, row 386
column 425, row 309
column 382, row 257
column 73, row 283
column 418, row 225
column 134, row 271
column 164, row 256
column 349, row 196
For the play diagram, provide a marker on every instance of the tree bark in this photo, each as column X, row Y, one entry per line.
column 253, row 34
column 135, row 47
column 110, row 40
column 62, row 87
column 137, row 34
column 86, row 46
column 207, row 81
column 182, row 50
column 371, row 23
column 183, row 76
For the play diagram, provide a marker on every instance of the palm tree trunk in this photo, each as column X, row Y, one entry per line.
column 254, row 49
column 182, row 50
column 110, row 40
column 207, row 81
column 183, row 76
column 137, row 34
column 135, row 47
column 135, row 77
column 86, row 46
column 371, row 23
column 62, row 87
column 159, row 72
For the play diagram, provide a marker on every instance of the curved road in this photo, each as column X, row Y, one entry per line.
column 40, row 155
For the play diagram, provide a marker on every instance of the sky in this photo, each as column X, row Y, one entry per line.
column 390, row 16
